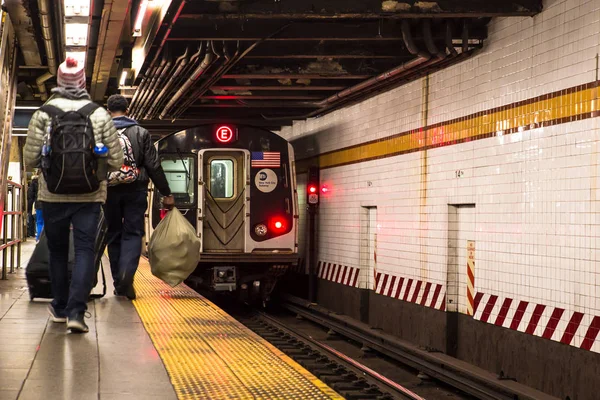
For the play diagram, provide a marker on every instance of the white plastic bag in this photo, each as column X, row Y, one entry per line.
column 174, row 249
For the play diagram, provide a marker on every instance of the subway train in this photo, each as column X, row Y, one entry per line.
column 237, row 186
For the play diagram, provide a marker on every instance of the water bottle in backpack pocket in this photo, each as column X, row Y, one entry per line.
column 70, row 165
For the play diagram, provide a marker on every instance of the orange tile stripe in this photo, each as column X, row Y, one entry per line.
column 568, row 105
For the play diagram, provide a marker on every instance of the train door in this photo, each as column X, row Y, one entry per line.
column 224, row 199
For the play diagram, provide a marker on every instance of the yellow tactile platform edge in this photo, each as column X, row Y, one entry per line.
column 210, row 355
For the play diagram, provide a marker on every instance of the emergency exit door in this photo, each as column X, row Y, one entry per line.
column 223, row 199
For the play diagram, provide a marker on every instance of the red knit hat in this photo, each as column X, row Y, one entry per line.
column 70, row 74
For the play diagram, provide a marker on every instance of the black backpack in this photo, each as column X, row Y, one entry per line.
column 71, row 166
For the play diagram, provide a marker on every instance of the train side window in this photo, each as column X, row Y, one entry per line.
column 178, row 172
column 222, row 178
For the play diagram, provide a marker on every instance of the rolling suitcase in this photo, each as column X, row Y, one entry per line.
column 38, row 273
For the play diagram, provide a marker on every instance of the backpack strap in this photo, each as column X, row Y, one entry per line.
column 88, row 109
column 51, row 110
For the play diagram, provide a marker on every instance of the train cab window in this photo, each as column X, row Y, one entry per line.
column 178, row 171
column 222, row 178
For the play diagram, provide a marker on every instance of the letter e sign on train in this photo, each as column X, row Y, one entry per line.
column 224, row 134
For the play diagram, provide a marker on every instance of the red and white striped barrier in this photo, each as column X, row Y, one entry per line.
column 470, row 277
column 554, row 323
column 412, row 290
column 338, row 273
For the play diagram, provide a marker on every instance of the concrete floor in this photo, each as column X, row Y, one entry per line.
column 39, row 359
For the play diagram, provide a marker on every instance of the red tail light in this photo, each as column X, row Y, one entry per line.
column 277, row 225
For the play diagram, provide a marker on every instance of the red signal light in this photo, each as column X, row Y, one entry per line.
column 324, row 189
column 312, row 189
column 277, row 225
column 224, row 134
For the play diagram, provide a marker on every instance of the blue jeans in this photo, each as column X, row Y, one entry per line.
column 39, row 221
column 125, row 216
column 84, row 217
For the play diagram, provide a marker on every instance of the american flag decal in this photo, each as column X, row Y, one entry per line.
column 268, row 159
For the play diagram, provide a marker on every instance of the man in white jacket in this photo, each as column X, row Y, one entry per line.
column 65, row 201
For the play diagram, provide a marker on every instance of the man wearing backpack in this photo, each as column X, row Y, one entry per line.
column 61, row 139
column 127, row 196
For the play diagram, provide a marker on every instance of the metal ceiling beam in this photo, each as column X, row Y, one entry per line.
column 376, row 9
column 371, row 31
column 271, row 104
column 24, row 30
column 299, row 88
column 295, row 76
column 334, row 56
column 114, row 15
column 252, row 97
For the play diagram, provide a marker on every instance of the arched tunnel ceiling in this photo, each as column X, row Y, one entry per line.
column 266, row 62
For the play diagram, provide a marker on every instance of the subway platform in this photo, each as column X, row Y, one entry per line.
column 170, row 343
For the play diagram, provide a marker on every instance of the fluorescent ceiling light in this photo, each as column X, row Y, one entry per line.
column 123, row 77
column 77, row 8
column 139, row 19
column 76, row 34
column 78, row 55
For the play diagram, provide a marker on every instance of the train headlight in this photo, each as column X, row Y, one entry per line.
column 260, row 230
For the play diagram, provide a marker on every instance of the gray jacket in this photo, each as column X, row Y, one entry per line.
column 71, row 99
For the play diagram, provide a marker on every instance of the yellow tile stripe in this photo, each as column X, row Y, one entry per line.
column 569, row 103
column 210, row 355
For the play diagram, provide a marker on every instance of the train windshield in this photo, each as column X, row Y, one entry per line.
column 178, row 171
column 222, row 178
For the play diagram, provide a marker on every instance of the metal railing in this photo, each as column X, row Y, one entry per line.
column 11, row 225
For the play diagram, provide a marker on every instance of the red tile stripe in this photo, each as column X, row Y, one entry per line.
column 552, row 323
column 514, row 325
column 503, row 312
column 391, row 289
column 572, row 328
column 535, row 318
column 591, row 334
column 478, row 297
column 425, row 293
column 488, row 308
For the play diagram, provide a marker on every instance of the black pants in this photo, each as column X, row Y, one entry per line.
column 71, row 299
column 125, row 217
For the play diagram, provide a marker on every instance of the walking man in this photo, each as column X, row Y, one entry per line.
column 66, row 137
column 127, row 196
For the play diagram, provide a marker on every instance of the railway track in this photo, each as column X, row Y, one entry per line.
column 350, row 378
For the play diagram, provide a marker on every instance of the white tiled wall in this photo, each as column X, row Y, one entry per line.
column 537, row 193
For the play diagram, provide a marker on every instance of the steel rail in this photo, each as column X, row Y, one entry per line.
column 343, row 359
column 482, row 387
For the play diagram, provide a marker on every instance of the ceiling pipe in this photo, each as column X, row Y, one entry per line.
column 180, row 65
column 449, row 44
column 167, row 33
column 209, row 82
column 192, row 64
column 430, row 43
column 47, row 35
column 237, row 57
column 423, row 58
column 157, row 78
column 41, row 84
column 209, row 59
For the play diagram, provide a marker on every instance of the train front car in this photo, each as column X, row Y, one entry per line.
column 237, row 186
